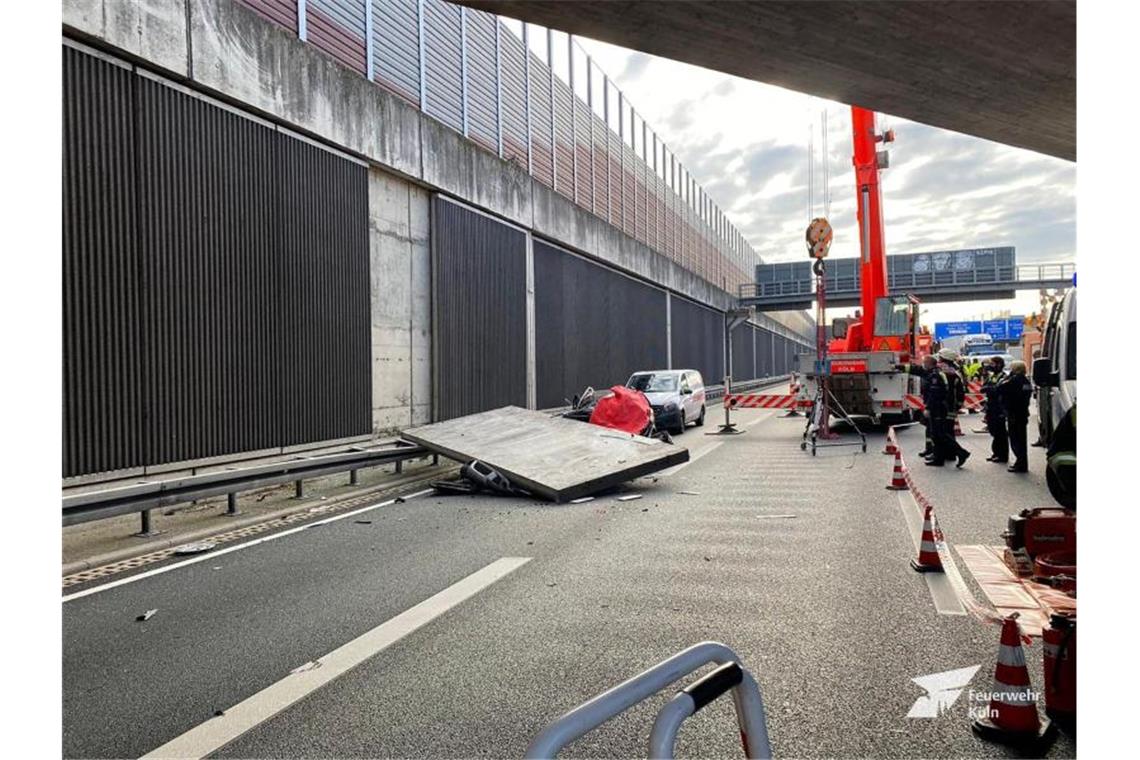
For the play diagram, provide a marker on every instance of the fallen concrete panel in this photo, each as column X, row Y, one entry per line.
column 551, row 457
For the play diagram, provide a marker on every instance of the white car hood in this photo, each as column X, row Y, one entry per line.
column 663, row 397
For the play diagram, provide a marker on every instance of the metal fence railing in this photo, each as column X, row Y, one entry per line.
column 1046, row 275
column 1045, row 272
column 533, row 96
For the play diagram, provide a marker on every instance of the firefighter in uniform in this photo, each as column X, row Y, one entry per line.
column 995, row 412
column 955, row 398
column 1015, row 392
column 934, row 397
column 923, row 373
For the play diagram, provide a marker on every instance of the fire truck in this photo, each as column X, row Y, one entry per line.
column 862, row 351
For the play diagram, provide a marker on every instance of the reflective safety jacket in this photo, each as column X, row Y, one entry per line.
column 955, row 389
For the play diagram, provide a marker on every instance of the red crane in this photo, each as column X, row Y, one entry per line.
column 862, row 351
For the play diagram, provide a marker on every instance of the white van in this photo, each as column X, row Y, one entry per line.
column 1055, row 375
column 677, row 396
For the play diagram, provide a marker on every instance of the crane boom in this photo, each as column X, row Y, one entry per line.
column 872, row 243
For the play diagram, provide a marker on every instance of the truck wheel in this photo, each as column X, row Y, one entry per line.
column 1066, row 497
column 701, row 419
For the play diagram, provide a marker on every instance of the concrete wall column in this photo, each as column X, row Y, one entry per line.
column 399, row 274
column 531, row 329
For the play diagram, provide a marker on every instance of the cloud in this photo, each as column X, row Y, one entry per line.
column 635, row 66
column 746, row 143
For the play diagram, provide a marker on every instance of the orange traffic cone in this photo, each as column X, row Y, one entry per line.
column 928, row 560
column 957, row 428
column 890, row 447
column 1012, row 716
column 898, row 481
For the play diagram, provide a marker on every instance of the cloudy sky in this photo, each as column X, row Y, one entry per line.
column 746, row 143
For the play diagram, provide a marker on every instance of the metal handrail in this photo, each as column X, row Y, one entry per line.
column 144, row 496
column 998, row 275
column 586, row 717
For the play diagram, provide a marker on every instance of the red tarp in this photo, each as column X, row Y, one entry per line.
column 626, row 410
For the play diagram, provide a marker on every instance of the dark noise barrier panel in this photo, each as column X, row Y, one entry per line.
column 479, row 312
column 781, row 350
column 215, row 279
column 593, row 326
column 698, row 339
column 743, row 353
column 765, row 366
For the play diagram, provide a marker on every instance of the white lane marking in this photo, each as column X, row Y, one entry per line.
column 236, row 547
column 215, row 733
column 692, row 458
column 942, row 591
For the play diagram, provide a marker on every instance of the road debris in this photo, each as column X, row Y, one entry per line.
column 550, row 457
column 197, row 547
column 629, row 497
column 363, row 522
column 146, row 615
column 458, row 487
column 311, row 665
column 582, row 500
column 689, row 493
column 775, row 517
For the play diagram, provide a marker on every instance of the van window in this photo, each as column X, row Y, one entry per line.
column 1071, row 352
column 1052, row 333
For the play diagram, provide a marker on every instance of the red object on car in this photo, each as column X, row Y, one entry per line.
column 625, row 409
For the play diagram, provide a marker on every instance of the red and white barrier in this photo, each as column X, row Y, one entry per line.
column 973, row 401
column 760, row 401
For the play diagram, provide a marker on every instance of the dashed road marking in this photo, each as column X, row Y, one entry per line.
column 207, row 738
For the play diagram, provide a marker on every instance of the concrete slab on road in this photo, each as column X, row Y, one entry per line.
column 546, row 454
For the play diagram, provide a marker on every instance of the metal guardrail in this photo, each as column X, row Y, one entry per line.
column 147, row 495
column 730, row 677
column 143, row 496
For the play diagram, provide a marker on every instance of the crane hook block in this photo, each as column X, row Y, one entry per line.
column 818, row 238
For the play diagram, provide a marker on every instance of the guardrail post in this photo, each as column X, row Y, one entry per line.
column 435, row 460
column 299, row 489
column 231, row 504
column 399, row 467
column 353, row 477
column 145, row 531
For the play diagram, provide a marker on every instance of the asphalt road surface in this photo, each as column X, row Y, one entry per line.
column 459, row 626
